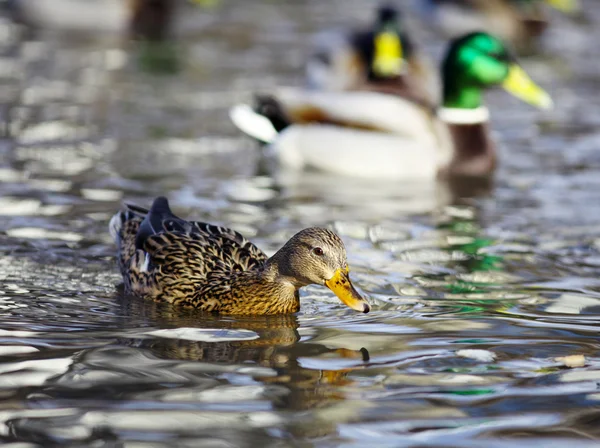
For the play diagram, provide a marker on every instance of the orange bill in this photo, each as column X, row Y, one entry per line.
column 342, row 287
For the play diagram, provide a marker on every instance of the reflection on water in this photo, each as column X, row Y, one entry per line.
column 477, row 289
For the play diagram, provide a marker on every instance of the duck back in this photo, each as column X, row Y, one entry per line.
column 155, row 247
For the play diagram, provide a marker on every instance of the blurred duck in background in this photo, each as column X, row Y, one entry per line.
column 148, row 19
column 373, row 135
column 518, row 22
column 154, row 24
column 379, row 58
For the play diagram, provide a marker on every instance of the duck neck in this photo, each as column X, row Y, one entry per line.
column 467, row 120
column 461, row 97
column 263, row 291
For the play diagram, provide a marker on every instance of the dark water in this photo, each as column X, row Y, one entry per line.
column 513, row 272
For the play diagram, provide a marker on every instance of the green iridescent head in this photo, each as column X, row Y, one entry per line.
column 478, row 61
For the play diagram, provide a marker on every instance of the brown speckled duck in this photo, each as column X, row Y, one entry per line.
column 211, row 268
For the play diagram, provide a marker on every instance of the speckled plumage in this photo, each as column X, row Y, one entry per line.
column 212, row 268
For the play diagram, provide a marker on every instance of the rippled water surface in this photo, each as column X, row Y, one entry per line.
column 474, row 298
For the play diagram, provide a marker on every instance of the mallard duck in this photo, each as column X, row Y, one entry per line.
column 373, row 135
column 380, row 58
column 146, row 19
column 211, row 268
column 516, row 21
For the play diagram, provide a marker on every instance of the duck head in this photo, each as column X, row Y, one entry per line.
column 318, row 256
column 388, row 47
column 478, row 61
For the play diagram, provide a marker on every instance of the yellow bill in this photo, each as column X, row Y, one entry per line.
column 567, row 6
column 206, row 3
column 519, row 84
column 388, row 60
column 342, row 287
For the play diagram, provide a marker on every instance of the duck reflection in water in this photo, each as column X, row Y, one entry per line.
column 278, row 347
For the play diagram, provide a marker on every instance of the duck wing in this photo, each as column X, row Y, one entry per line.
column 169, row 258
column 231, row 244
column 364, row 109
column 134, row 227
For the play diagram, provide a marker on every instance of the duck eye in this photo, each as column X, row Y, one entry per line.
column 318, row 251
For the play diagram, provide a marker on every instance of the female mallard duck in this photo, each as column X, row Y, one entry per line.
column 211, row 268
column 372, row 135
column 380, row 58
column 516, row 21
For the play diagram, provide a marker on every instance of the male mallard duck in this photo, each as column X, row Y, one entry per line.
column 211, row 268
column 516, row 21
column 380, row 58
column 372, row 135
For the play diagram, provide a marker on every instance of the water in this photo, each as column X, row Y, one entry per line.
column 512, row 272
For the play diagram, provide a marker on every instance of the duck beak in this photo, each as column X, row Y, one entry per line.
column 206, row 3
column 519, row 84
column 389, row 55
column 566, row 6
column 342, row 287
